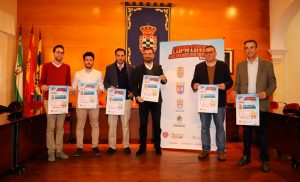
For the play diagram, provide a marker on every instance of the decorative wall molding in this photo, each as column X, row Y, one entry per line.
column 278, row 55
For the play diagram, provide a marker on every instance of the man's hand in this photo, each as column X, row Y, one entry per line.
column 45, row 88
column 195, row 87
column 233, row 93
column 100, row 91
column 139, row 99
column 73, row 90
column 163, row 78
column 262, row 95
column 222, row 86
column 130, row 95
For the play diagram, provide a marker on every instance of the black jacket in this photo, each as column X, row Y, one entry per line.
column 138, row 75
column 222, row 75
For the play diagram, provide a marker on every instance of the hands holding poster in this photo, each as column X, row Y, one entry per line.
column 150, row 88
column 115, row 103
column 208, row 97
column 247, row 109
column 87, row 95
column 58, row 101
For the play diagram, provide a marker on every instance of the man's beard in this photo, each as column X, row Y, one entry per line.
column 148, row 60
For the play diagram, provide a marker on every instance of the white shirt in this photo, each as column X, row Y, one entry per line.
column 94, row 76
column 149, row 67
column 252, row 75
column 57, row 66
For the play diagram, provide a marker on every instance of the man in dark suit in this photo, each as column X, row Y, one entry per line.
column 148, row 68
column 118, row 75
column 213, row 71
column 255, row 76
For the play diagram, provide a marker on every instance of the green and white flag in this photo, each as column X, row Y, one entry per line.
column 19, row 72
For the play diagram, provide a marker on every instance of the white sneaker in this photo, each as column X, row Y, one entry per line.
column 51, row 157
column 62, row 155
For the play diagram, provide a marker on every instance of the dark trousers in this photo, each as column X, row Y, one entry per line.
column 262, row 131
column 155, row 109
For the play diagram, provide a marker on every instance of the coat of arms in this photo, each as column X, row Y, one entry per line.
column 148, row 39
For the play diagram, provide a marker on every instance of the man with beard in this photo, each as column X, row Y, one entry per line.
column 55, row 73
column 148, row 68
column 88, row 75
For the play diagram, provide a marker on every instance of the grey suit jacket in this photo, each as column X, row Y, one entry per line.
column 265, row 81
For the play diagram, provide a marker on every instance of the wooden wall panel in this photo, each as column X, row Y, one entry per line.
column 99, row 26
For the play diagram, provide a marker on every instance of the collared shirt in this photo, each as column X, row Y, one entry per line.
column 94, row 76
column 252, row 75
column 56, row 64
column 120, row 66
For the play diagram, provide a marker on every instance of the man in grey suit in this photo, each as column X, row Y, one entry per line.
column 118, row 75
column 255, row 75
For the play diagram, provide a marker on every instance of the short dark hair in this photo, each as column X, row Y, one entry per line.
column 88, row 54
column 120, row 49
column 248, row 41
column 210, row 46
column 58, row 46
column 149, row 48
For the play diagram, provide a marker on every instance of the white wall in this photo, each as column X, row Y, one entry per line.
column 293, row 60
column 8, row 18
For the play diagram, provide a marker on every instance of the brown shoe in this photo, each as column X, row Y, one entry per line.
column 203, row 155
column 221, row 156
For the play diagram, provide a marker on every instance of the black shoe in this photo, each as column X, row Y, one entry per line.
column 127, row 150
column 140, row 152
column 78, row 152
column 96, row 151
column 110, row 151
column 243, row 161
column 158, row 152
column 265, row 167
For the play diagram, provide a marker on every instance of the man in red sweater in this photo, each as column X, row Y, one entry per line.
column 55, row 73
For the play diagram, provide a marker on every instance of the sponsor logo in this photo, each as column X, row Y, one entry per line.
column 180, row 87
column 176, row 135
column 183, row 51
column 165, row 134
column 179, row 122
column 180, row 72
column 179, row 105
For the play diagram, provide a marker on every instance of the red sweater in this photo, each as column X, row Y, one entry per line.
column 52, row 75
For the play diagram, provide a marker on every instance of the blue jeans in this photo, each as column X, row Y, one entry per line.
column 220, row 132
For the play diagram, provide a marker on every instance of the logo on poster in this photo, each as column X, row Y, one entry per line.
column 180, row 72
column 180, row 87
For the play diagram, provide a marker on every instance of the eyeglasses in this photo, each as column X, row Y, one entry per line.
column 210, row 52
column 59, row 52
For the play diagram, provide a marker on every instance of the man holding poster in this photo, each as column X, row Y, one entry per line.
column 255, row 76
column 148, row 68
column 55, row 73
column 118, row 76
column 213, row 72
column 88, row 84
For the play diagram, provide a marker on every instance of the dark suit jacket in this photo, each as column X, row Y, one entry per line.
column 138, row 75
column 265, row 81
column 222, row 75
column 111, row 77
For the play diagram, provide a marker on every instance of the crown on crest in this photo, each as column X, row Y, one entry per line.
column 148, row 30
